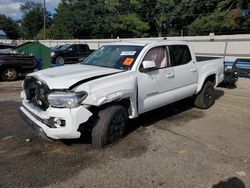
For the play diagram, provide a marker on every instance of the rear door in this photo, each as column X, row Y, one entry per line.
column 185, row 69
column 155, row 86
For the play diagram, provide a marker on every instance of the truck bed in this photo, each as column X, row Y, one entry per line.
column 206, row 58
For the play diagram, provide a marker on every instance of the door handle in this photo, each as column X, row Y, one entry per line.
column 193, row 70
column 170, row 75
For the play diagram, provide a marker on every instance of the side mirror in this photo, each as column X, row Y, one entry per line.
column 70, row 49
column 148, row 65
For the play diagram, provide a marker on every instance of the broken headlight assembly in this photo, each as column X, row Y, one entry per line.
column 66, row 99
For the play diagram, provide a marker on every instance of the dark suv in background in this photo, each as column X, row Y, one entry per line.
column 14, row 65
column 70, row 53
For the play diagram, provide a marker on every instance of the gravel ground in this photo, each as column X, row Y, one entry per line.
column 175, row 146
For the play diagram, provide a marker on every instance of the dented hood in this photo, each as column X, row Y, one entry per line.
column 64, row 77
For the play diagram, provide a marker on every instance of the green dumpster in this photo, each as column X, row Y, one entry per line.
column 36, row 49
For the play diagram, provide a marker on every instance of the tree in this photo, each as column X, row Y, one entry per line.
column 71, row 20
column 160, row 14
column 217, row 22
column 10, row 27
column 139, row 18
column 245, row 15
column 32, row 21
column 126, row 18
column 225, row 16
column 97, row 19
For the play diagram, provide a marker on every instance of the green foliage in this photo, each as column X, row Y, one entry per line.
column 10, row 27
column 132, row 24
column 212, row 23
column 160, row 13
column 32, row 21
column 227, row 16
column 29, row 6
column 137, row 18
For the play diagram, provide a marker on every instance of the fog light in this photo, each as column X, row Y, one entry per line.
column 59, row 122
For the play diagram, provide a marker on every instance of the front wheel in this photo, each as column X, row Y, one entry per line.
column 205, row 98
column 110, row 126
column 60, row 60
column 9, row 74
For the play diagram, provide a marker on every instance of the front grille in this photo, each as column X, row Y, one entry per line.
column 36, row 92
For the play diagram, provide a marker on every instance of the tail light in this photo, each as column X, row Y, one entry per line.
column 34, row 63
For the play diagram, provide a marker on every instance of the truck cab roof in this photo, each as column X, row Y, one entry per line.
column 150, row 42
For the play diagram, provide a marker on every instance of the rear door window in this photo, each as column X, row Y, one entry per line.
column 179, row 55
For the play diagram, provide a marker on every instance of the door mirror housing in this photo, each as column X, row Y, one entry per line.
column 148, row 65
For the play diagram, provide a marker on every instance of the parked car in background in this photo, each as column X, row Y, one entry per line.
column 233, row 70
column 14, row 65
column 56, row 47
column 241, row 67
column 5, row 48
column 117, row 82
column 70, row 53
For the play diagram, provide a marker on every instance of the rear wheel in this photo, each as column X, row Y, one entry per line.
column 60, row 60
column 9, row 74
column 205, row 98
column 110, row 126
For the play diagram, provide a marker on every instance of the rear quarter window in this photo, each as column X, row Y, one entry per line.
column 179, row 55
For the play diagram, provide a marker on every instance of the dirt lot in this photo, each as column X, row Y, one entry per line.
column 175, row 146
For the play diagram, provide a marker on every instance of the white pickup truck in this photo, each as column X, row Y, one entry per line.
column 118, row 81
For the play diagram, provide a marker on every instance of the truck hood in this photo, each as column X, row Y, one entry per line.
column 64, row 77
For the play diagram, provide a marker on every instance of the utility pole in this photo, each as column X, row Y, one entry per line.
column 182, row 32
column 44, row 20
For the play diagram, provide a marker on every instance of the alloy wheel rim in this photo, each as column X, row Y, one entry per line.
column 116, row 127
column 10, row 74
column 60, row 60
column 209, row 95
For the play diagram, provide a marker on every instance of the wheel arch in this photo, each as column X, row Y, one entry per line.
column 10, row 66
column 210, row 77
column 60, row 55
column 127, row 103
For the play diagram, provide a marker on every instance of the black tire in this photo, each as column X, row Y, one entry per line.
column 9, row 74
column 60, row 60
column 205, row 99
column 110, row 126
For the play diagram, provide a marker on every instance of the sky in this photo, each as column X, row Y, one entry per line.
column 11, row 8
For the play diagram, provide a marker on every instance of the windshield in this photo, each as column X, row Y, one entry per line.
column 56, row 47
column 65, row 47
column 114, row 56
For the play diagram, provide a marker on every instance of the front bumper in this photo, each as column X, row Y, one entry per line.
column 38, row 119
column 33, row 125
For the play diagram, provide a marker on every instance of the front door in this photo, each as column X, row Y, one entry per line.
column 72, row 54
column 155, row 86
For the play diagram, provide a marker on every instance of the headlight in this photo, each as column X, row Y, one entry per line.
column 52, row 54
column 69, row 99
